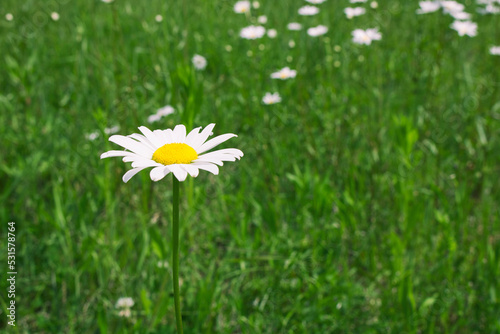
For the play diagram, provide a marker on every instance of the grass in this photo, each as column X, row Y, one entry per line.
column 366, row 202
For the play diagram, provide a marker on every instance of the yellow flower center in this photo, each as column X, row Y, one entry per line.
column 175, row 153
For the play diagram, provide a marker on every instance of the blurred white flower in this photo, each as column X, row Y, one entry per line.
column 428, row 7
column 271, row 98
column 451, row 6
column 294, row 26
column 160, row 113
column 107, row 1
column 374, row 4
column 316, row 2
column 495, row 50
column 317, row 31
column 92, row 136
column 9, row 17
column 352, row 12
column 308, row 10
column 465, row 28
column 460, row 15
column 242, row 7
column 291, row 43
column 256, row 4
column 366, row 37
column 111, row 130
column 126, row 313
column 252, row 32
column 54, row 16
column 124, row 302
column 199, row 62
column 356, row 1
column 158, row 18
column 262, row 19
column 272, row 33
column 284, row 73
column 228, row 48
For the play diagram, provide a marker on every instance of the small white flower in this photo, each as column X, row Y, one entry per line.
column 495, row 50
column 153, row 118
column 428, row 7
column 54, row 16
column 308, row 10
column 356, row 1
column 271, row 98
column 460, row 15
column 256, row 4
column 272, row 33
column 451, row 6
column 126, row 313
column 465, row 28
column 242, row 7
column 107, row 1
column 294, row 26
column 164, row 111
column 9, row 17
column 111, row 130
column 199, row 62
column 374, row 4
column 317, row 31
column 284, row 73
column 352, row 12
column 291, row 43
column 262, row 19
column 252, row 32
column 366, row 37
column 158, row 18
column 316, row 2
column 92, row 136
column 228, row 48
column 124, row 302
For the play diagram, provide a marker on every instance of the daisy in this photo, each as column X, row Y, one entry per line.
column 92, row 136
column 262, row 19
column 308, row 10
column 107, row 1
column 294, row 26
column 465, row 28
column 124, row 302
column 271, row 98
column 252, row 32
column 199, row 62
column 460, row 15
column 162, row 112
column 451, row 6
column 158, row 18
column 54, row 16
column 352, row 12
column 9, row 17
column 495, row 50
column 272, row 33
column 356, row 1
column 316, row 2
column 256, row 4
column 111, row 130
column 317, row 31
column 374, row 4
column 284, row 73
column 428, row 7
column 173, row 151
column 242, row 7
column 366, row 37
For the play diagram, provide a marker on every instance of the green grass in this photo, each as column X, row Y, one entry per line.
column 366, row 202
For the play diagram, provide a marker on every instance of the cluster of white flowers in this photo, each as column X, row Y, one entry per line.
column 490, row 6
column 252, row 32
column 124, row 304
column 162, row 112
column 271, row 98
column 366, row 37
column 352, row 12
column 456, row 10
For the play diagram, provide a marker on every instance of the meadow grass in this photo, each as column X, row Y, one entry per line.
column 367, row 200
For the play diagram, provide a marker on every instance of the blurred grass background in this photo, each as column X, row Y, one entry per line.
column 366, row 202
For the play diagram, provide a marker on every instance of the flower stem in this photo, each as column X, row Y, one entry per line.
column 175, row 255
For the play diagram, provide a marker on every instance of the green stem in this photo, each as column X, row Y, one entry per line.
column 175, row 255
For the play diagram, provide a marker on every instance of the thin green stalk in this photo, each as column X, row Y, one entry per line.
column 175, row 255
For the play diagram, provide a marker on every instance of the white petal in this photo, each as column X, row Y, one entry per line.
column 231, row 151
column 192, row 135
column 153, row 138
column 214, row 142
column 169, row 134
column 159, row 173
column 208, row 167
column 178, row 171
column 162, row 136
column 145, row 163
column 179, row 134
column 142, row 139
column 133, row 157
column 110, row 154
column 132, row 145
column 192, row 170
column 200, row 139
column 129, row 174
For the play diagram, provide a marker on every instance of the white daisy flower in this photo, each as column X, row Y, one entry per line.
column 366, row 37
column 428, row 7
column 284, row 73
column 374, row 4
column 465, row 28
column 451, row 6
column 271, row 98
column 124, row 302
column 255, row 4
column 252, row 32
column 460, row 15
column 158, row 18
column 164, row 111
column 291, row 43
column 308, row 10
column 316, row 2
column 199, row 62
column 356, row 1
column 242, row 7
column 107, row 1
column 92, row 136
column 262, row 19
column 173, row 151
column 272, row 33
column 9, row 17
column 126, row 313
column 54, row 16
column 111, row 130
column 352, row 12
column 495, row 50
column 294, row 26
column 317, row 31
